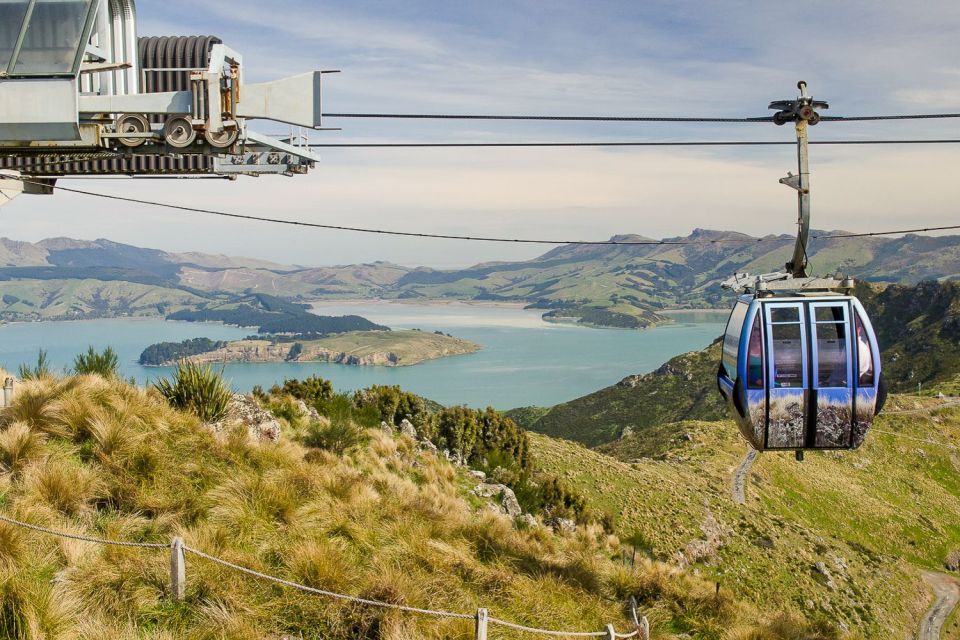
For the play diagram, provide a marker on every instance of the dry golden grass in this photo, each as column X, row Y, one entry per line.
column 382, row 521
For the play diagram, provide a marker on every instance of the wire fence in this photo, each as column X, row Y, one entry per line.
column 482, row 620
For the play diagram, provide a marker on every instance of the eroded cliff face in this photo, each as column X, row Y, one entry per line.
column 265, row 351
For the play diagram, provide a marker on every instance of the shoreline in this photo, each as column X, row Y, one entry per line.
column 426, row 302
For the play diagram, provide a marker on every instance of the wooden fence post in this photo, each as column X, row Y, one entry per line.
column 178, row 570
column 642, row 624
column 7, row 392
column 481, row 628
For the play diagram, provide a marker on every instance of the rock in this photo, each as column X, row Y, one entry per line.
column 509, row 502
column 562, row 525
column 477, row 475
column 406, row 428
column 820, row 568
column 504, row 494
column 386, row 428
column 952, row 563
column 626, row 433
column 426, row 445
column 455, row 458
column 308, row 411
column 261, row 424
column 526, row 521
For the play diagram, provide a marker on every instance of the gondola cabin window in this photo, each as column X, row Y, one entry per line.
column 831, row 340
column 755, row 356
column 787, row 345
column 864, row 355
column 731, row 339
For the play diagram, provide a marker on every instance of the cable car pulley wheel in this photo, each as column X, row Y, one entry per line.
column 178, row 132
column 223, row 139
column 132, row 123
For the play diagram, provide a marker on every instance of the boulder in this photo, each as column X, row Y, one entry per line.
column 426, row 445
column 477, row 475
column 261, row 425
column 507, row 499
column 386, row 428
column 406, row 428
column 308, row 411
column 952, row 563
column 526, row 521
column 562, row 525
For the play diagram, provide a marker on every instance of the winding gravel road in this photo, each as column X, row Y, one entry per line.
column 946, row 590
column 741, row 474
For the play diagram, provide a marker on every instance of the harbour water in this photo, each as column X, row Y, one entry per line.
column 524, row 360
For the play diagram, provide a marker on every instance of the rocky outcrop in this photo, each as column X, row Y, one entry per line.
column 506, row 499
column 261, row 425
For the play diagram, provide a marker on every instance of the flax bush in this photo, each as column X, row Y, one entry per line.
column 103, row 363
column 198, row 389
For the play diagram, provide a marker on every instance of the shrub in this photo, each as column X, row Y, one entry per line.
column 197, row 388
column 41, row 370
column 105, row 363
column 336, row 437
column 311, row 390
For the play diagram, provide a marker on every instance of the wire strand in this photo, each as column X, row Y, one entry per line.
column 443, row 236
column 560, row 118
column 680, row 143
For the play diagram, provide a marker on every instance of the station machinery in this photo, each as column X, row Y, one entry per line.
column 82, row 95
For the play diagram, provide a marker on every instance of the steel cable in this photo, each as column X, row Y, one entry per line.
column 443, row 236
column 557, row 118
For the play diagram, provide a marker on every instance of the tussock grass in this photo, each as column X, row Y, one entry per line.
column 379, row 520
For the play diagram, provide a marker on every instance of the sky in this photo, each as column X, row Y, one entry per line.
column 603, row 57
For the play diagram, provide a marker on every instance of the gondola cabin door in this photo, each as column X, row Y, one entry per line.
column 810, row 390
column 832, row 390
column 786, row 326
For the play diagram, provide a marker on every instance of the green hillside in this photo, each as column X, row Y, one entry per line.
column 919, row 332
column 874, row 518
column 684, row 388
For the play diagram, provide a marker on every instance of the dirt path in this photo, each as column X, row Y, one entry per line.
column 946, row 590
column 740, row 476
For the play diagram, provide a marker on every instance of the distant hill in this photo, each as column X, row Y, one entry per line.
column 607, row 285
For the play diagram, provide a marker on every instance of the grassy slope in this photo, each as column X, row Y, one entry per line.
column 883, row 511
column 384, row 521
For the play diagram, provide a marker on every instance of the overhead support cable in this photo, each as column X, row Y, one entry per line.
column 765, row 119
column 444, row 236
column 681, row 143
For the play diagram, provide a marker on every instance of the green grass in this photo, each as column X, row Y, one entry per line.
column 885, row 511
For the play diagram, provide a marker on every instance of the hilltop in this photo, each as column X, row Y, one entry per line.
column 625, row 286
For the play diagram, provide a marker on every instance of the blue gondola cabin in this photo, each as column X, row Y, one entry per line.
column 801, row 372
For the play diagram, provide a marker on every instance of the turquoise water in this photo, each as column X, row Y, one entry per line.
column 524, row 360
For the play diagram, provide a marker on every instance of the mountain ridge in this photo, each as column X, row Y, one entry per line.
column 619, row 285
